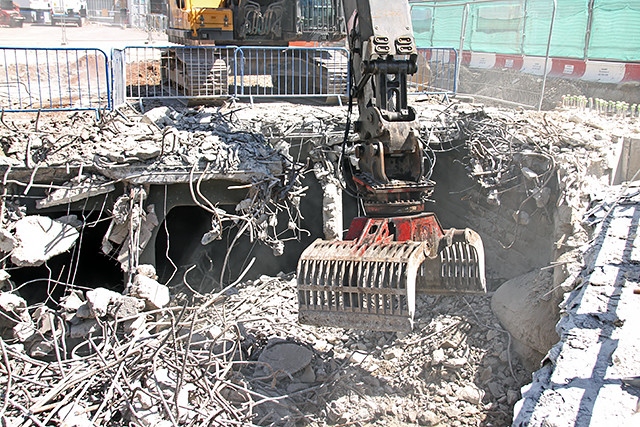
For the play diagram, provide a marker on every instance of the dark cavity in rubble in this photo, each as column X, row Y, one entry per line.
column 84, row 265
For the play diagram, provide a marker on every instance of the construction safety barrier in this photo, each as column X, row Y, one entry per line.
column 177, row 72
column 193, row 72
column 588, row 70
column 49, row 79
column 437, row 72
column 291, row 71
column 85, row 79
column 196, row 72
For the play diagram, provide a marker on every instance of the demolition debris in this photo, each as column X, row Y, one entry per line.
column 168, row 351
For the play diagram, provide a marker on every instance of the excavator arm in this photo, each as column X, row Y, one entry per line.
column 391, row 164
column 370, row 279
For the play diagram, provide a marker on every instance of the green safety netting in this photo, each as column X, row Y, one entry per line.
column 521, row 27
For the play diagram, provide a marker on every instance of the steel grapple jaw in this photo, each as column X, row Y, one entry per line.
column 369, row 281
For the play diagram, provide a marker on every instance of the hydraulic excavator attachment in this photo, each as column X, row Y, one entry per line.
column 370, row 279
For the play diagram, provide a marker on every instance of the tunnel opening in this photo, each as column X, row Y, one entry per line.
column 181, row 257
column 83, row 267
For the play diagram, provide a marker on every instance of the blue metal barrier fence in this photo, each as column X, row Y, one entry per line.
column 291, row 71
column 437, row 72
column 200, row 72
column 50, row 79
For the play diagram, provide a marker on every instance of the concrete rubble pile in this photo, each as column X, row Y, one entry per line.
column 74, row 157
column 155, row 355
column 240, row 357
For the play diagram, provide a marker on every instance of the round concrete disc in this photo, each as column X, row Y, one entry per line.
column 287, row 357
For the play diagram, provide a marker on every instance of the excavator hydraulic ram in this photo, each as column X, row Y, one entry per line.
column 370, row 280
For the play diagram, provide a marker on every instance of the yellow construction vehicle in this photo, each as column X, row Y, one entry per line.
column 254, row 22
column 265, row 23
column 196, row 21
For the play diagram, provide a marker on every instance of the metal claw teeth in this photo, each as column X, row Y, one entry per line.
column 373, row 286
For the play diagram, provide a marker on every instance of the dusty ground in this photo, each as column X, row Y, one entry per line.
column 95, row 35
column 238, row 356
column 491, row 86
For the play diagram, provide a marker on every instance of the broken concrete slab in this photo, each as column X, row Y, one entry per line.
column 40, row 238
column 76, row 190
column 588, row 376
column 103, row 302
column 142, row 151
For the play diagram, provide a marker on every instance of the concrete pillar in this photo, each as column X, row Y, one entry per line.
column 332, row 209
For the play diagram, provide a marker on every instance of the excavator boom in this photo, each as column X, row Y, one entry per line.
column 370, row 279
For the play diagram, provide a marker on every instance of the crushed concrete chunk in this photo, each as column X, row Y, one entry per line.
column 40, row 238
column 160, row 116
column 105, row 302
column 471, row 394
column 7, row 241
column 70, row 303
column 99, row 300
column 438, row 357
column 147, row 270
column 125, row 307
column 153, row 293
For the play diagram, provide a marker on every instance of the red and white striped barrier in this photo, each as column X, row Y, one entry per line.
column 594, row 71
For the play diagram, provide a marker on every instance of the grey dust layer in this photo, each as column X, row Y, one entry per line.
column 219, row 351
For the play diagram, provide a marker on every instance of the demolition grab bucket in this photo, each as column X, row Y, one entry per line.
column 370, row 283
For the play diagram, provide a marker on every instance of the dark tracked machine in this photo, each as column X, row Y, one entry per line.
column 254, row 23
column 370, row 279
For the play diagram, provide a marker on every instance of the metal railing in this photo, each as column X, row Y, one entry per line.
column 49, row 79
column 179, row 72
column 218, row 72
column 437, row 72
column 291, row 71
column 85, row 79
